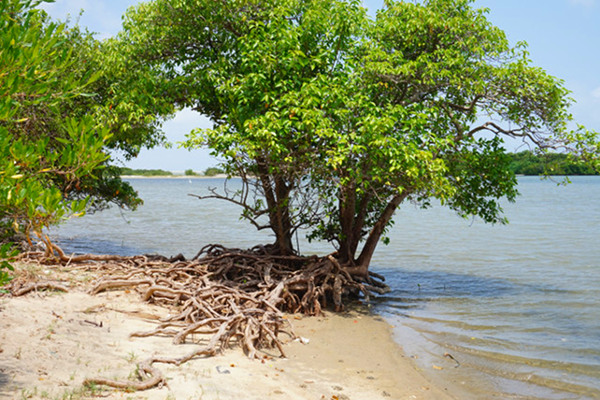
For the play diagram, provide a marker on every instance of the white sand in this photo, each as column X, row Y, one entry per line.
column 51, row 342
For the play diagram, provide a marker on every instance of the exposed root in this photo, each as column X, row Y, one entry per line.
column 153, row 377
column 80, row 258
column 238, row 297
column 37, row 286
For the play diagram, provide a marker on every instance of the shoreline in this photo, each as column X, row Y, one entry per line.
column 50, row 342
column 218, row 176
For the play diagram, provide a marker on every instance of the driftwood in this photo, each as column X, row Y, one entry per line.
column 237, row 296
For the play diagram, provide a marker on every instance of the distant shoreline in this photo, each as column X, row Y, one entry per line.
column 173, row 176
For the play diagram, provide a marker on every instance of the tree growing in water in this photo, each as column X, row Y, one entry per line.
column 334, row 120
column 422, row 115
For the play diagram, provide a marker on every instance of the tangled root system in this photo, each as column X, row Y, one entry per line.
column 238, row 297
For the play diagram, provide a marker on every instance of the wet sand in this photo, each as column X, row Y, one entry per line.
column 51, row 342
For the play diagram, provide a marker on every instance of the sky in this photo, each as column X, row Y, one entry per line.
column 563, row 37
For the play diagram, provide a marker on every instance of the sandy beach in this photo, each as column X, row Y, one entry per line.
column 50, row 342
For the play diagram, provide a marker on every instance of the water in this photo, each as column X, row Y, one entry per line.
column 518, row 306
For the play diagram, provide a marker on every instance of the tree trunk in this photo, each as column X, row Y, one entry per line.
column 277, row 195
column 359, row 222
column 347, row 204
column 284, row 222
column 352, row 220
column 373, row 239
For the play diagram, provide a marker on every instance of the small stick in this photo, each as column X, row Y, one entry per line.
column 99, row 325
column 452, row 357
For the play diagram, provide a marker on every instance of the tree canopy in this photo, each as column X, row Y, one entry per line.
column 45, row 153
column 66, row 101
column 333, row 120
column 259, row 70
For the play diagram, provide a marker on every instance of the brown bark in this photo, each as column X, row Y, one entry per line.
column 347, row 205
column 277, row 195
column 38, row 286
column 359, row 222
column 373, row 239
column 284, row 222
column 79, row 258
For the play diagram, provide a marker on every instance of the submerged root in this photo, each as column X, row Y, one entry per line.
column 238, row 297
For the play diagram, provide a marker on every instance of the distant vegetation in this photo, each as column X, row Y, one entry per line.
column 144, row 172
column 528, row 163
column 212, row 171
column 523, row 163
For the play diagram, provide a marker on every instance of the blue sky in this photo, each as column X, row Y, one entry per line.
column 563, row 38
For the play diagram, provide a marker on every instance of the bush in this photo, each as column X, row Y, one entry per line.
column 212, row 171
column 144, row 172
column 48, row 153
column 6, row 254
column 528, row 163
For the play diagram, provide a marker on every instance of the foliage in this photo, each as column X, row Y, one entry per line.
column 530, row 163
column 66, row 99
column 7, row 253
column 213, row 171
column 190, row 172
column 334, row 120
column 143, row 172
column 424, row 111
column 45, row 156
column 44, row 119
column 129, row 98
column 258, row 70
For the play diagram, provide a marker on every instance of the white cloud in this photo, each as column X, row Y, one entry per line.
column 596, row 93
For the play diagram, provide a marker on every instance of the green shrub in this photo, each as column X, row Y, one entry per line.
column 48, row 152
column 7, row 253
column 144, row 172
column 212, row 171
column 528, row 163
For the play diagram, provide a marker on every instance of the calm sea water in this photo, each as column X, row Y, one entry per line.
column 518, row 306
